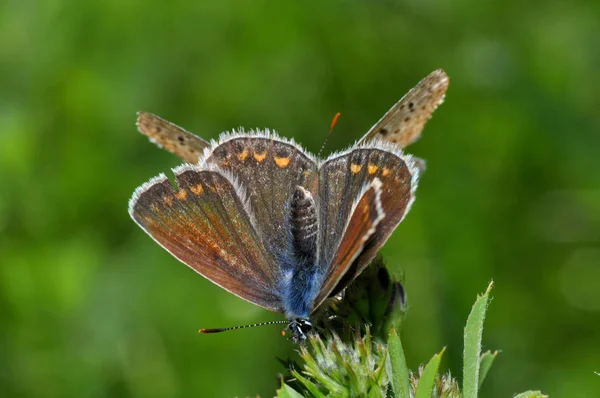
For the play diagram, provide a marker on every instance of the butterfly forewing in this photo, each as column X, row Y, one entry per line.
column 171, row 137
column 403, row 123
column 206, row 225
column 342, row 179
column 270, row 169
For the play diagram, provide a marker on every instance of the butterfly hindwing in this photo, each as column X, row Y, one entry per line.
column 270, row 169
column 206, row 225
column 343, row 179
column 367, row 213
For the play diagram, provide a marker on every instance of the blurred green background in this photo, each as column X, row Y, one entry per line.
column 92, row 307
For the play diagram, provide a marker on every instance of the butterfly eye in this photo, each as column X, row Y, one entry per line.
column 305, row 325
column 299, row 328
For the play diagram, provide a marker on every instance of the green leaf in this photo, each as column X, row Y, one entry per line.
column 288, row 392
column 487, row 358
column 427, row 378
column 375, row 393
column 310, row 386
column 380, row 370
column 531, row 394
column 399, row 373
column 472, row 350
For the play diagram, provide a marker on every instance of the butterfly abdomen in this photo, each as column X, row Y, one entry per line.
column 302, row 280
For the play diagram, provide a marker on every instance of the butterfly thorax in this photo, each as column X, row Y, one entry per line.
column 302, row 279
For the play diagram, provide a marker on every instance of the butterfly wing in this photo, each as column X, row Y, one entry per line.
column 357, row 222
column 403, row 123
column 270, row 169
column 171, row 137
column 206, row 225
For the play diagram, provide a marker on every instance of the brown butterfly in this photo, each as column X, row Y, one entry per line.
column 264, row 219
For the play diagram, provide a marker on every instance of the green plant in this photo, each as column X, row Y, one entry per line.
column 358, row 352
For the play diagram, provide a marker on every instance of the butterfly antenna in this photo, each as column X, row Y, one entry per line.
column 219, row 330
column 333, row 123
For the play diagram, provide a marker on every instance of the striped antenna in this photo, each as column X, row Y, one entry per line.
column 219, row 330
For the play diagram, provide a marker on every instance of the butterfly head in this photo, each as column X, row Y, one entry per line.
column 300, row 327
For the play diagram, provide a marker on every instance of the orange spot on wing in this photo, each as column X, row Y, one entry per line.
column 372, row 168
column 259, row 157
column 385, row 172
column 243, row 155
column 197, row 189
column 355, row 168
column 181, row 195
column 282, row 162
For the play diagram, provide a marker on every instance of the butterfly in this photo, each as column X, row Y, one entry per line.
column 269, row 222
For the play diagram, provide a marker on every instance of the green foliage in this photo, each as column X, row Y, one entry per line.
column 334, row 368
column 399, row 370
column 288, row 392
column 362, row 367
column 443, row 386
column 531, row 394
column 486, row 361
column 472, row 345
column 427, row 377
column 376, row 298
